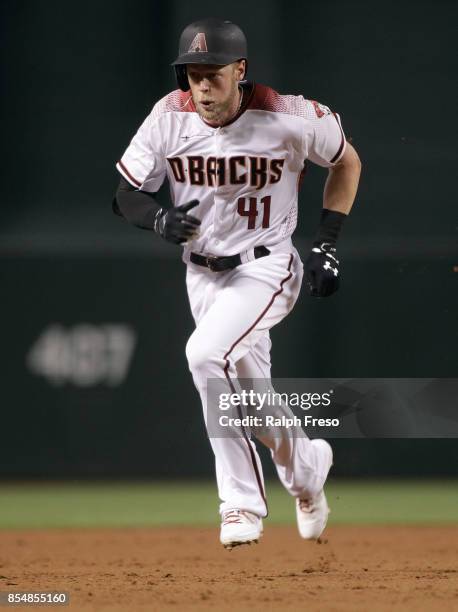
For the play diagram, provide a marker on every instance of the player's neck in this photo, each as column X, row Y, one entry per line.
column 237, row 105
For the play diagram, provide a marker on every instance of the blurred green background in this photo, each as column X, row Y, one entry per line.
column 156, row 504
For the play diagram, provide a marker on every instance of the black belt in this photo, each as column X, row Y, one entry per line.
column 219, row 264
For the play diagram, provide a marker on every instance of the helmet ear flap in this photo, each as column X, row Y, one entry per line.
column 182, row 77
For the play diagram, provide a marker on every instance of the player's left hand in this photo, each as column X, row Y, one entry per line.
column 322, row 270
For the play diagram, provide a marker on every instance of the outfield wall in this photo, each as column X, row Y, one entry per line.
column 95, row 381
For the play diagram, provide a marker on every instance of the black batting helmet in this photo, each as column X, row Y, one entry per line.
column 208, row 41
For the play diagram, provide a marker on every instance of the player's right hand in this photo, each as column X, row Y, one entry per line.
column 175, row 225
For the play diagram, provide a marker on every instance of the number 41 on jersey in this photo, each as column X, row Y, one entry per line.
column 250, row 210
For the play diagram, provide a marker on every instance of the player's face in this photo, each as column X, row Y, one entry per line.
column 215, row 90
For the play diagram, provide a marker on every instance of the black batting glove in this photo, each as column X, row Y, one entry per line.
column 322, row 270
column 175, row 225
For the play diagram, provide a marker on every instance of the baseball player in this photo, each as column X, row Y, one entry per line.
column 234, row 153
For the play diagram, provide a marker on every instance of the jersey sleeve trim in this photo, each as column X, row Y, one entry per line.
column 127, row 175
column 343, row 142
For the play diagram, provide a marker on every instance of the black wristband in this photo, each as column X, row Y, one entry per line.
column 330, row 225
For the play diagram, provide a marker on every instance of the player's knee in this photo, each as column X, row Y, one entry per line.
column 199, row 355
column 196, row 354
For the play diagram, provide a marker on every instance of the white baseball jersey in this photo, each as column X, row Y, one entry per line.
column 246, row 173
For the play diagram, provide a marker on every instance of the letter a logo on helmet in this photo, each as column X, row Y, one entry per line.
column 199, row 44
column 226, row 41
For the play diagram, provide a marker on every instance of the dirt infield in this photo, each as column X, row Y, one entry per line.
column 356, row 568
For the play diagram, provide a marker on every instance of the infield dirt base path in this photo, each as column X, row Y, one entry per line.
column 181, row 569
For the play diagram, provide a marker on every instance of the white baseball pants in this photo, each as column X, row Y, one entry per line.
column 234, row 311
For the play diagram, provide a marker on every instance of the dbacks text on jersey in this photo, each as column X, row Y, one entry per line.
column 219, row 171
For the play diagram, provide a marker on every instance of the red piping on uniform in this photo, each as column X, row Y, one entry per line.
column 226, row 368
column 337, row 155
column 126, row 171
column 300, row 178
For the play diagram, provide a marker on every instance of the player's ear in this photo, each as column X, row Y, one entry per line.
column 241, row 69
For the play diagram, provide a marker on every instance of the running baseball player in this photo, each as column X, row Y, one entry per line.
column 234, row 154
